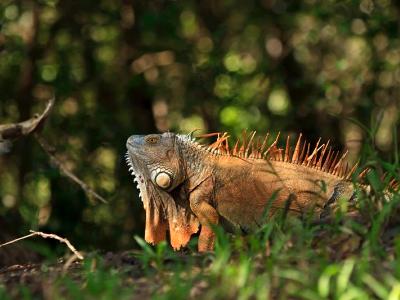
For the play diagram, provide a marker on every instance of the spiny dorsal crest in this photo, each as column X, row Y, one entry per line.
column 320, row 156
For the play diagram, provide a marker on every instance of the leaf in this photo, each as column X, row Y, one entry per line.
column 374, row 180
column 324, row 280
column 375, row 286
column 343, row 279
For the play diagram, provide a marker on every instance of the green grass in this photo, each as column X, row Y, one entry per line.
column 289, row 258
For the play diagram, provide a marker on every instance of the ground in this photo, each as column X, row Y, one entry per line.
column 289, row 258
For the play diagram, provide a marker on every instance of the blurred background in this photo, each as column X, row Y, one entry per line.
column 124, row 67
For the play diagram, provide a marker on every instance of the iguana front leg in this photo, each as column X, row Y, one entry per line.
column 199, row 200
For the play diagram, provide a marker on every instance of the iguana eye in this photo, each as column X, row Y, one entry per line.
column 152, row 139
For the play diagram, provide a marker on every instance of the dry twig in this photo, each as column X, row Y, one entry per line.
column 17, row 130
column 51, row 153
column 46, row 235
column 9, row 132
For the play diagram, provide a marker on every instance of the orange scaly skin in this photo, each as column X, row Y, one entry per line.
column 184, row 184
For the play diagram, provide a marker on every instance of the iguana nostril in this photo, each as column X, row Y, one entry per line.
column 129, row 141
column 135, row 140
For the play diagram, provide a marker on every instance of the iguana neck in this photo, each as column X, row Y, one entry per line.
column 198, row 162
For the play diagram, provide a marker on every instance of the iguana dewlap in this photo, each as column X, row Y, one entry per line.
column 184, row 184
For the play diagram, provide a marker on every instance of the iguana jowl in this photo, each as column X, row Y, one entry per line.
column 184, row 184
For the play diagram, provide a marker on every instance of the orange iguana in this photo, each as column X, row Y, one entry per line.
column 184, row 185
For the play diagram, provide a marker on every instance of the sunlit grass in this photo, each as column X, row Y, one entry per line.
column 354, row 254
column 288, row 258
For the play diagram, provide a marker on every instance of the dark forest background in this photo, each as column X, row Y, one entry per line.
column 122, row 67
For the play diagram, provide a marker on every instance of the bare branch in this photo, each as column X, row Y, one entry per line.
column 17, row 130
column 47, row 235
column 50, row 152
column 13, row 131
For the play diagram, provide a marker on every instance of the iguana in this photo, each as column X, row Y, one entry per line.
column 184, row 184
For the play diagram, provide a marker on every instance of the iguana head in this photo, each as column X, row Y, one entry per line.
column 156, row 157
column 156, row 162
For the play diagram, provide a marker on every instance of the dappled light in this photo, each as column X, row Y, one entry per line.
column 327, row 69
column 116, row 70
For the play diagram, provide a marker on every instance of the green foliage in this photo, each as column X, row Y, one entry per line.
column 287, row 258
column 3, row 293
column 154, row 256
column 324, row 68
column 312, row 66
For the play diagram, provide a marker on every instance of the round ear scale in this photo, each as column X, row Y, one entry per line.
column 163, row 180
